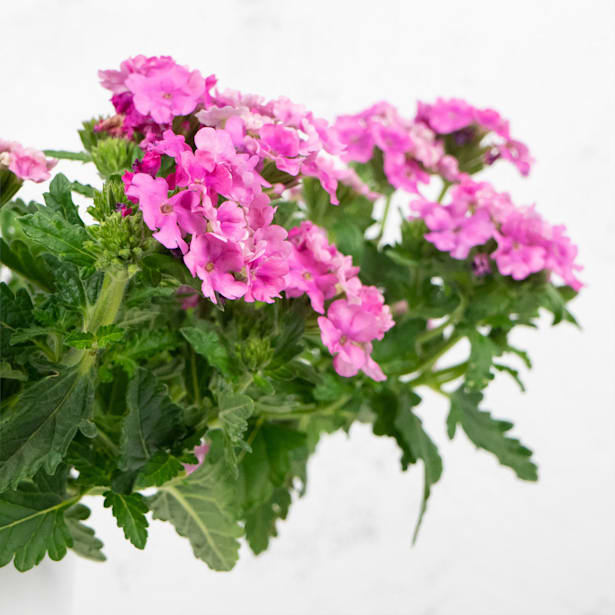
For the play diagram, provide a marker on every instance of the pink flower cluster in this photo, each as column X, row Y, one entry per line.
column 458, row 117
column 25, row 162
column 352, row 322
column 411, row 150
column 149, row 92
column 476, row 213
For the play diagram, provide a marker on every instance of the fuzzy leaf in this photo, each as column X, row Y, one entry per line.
column 85, row 542
column 153, row 421
column 129, row 512
column 207, row 342
column 489, row 433
column 235, row 410
column 261, row 522
column 54, row 234
column 159, row 469
column 37, row 430
column 32, row 522
column 59, row 199
column 411, row 429
column 201, row 509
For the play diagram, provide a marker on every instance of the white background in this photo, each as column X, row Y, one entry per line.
column 490, row 544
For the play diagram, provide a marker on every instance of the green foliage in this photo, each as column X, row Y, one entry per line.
column 201, row 507
column 129, row 512
column 113, row 156
column 152, row 423
column 489, row 433
column 36, row 431
column 107, row 384
column 32, row 522
column 83, row 537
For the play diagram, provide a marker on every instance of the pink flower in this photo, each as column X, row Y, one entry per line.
column 200, row 452
column 25, row 162
column 170, row 217
column 213, row 261
column 166, row 92
column 347, row 332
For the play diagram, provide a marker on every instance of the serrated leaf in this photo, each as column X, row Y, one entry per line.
column 80, row 339
column 32, row 522
column 201, row 507
column 59, row 199
column 489, row 433
column 478, row 373
column 54, row 234
column 159, row 469
column 235, row 410
column 513, row 373
column 85, row 542
column 129, row 512
column 207, row 342
column 153, row 421
column 411, row 429
column 38, row 429
column 260, row 524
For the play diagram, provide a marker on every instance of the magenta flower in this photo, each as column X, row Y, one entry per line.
column 214, row 261
column 172, row 217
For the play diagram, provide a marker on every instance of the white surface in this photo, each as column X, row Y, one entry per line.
column 490, row 545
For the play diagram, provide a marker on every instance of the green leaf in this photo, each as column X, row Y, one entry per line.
column 63, row 155
column 80, row 339
column 153, row 421
column 411, row 429
column 32, row 522
column 59, row 199
column 201, row 507
column 159, row 469
column 482, row 352
column 207, row 342
column 85, row 542
column 260, row 524
column 129, row 512
column 513, row 373
column 37, row 430
column 489, row 433
column 6, row 371
column 235, row 410
column 18, row 257
column 54, row 234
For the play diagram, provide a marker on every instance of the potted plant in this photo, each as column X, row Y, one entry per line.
column 231, row 294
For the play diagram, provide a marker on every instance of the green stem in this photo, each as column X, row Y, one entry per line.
column 195, row 379
column 251, row 437
column 385, row 215
column 446, row 185
column 109, row 301
column 103, row 312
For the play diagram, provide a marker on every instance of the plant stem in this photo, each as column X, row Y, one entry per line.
column 385, row 215
column 109, row 301
column 444, row 190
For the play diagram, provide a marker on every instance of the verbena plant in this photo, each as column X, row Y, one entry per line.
column 231, row 298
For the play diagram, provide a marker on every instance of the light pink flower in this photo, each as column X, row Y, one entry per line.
column 166, row 92
column 214, row 261
column 25, row 162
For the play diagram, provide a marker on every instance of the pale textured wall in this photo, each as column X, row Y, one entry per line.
column 490, row 545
